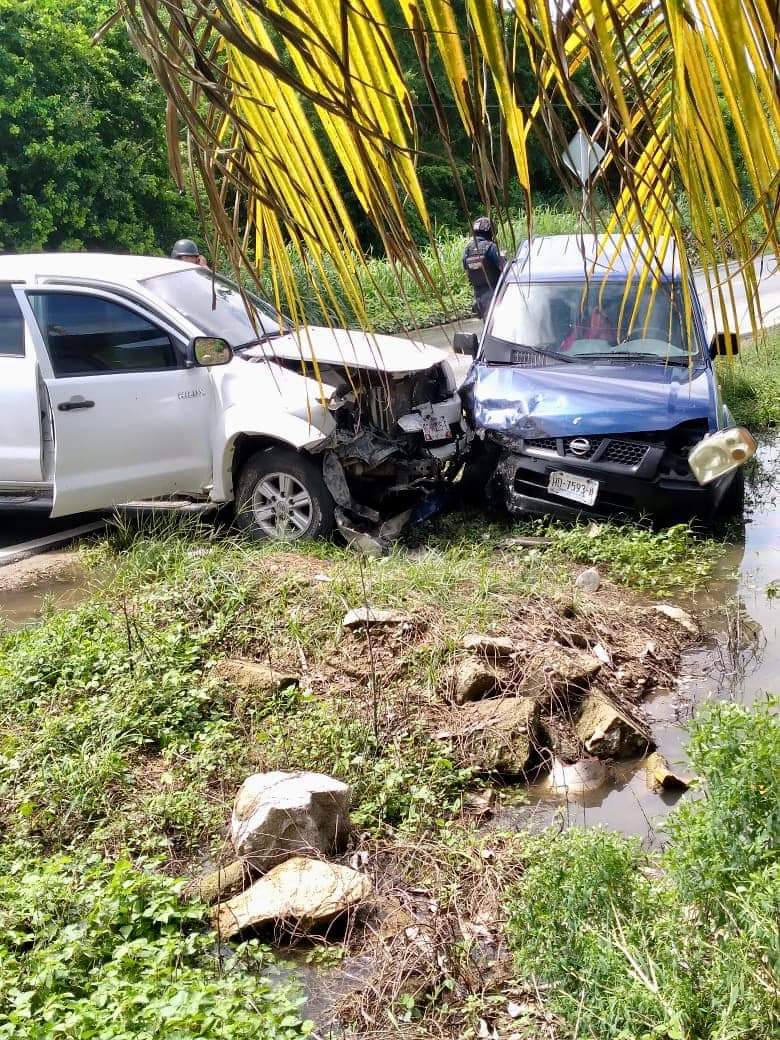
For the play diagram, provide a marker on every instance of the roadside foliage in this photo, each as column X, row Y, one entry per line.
column 679, row 92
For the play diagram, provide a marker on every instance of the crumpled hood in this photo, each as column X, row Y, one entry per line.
column 352, row 348
column 566, row 400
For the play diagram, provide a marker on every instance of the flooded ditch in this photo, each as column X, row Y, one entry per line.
column 738, row 660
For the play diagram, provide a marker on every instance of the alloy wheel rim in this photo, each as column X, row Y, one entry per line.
column 282, row 507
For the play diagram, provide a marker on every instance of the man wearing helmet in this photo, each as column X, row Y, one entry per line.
column 483, row 264
column 186, row 249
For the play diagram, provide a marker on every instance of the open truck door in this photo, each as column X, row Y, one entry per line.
column 22, row 476
column 130, row 410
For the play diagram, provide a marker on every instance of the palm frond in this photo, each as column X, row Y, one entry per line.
column 680, row 87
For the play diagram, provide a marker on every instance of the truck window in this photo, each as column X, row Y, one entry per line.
column 11, row 324
column 87, row 335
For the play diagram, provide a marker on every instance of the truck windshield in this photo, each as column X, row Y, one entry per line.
column 217, row 307
column 598, row 321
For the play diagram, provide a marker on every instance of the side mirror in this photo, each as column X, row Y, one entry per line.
column 724, row 344
column 465, row 343
column 209, row 351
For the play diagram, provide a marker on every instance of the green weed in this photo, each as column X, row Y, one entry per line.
column 751, row 384
column 663, row 561
column 684, row 948
column 111, row 952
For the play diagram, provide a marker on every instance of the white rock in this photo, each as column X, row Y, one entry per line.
column 277, row 815
column 373, row 616
column 578, row 778
column 300, row 891
column 491, row 646
column 682, row 617
column 589, row 580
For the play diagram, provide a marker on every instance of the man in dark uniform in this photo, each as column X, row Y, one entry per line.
column 483, row 264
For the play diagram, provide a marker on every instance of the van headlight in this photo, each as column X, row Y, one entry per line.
column 720, row 453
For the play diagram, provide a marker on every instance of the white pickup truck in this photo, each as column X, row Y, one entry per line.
column 126, row 378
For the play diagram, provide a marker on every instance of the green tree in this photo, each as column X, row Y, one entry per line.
column 83, row 160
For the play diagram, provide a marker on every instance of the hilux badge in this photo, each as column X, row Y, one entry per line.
column 579, row 446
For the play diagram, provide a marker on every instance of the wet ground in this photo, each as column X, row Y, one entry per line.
column 739, row 661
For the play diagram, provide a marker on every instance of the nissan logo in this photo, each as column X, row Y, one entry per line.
column 579, row 446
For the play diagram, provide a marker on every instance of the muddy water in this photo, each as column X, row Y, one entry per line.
column 739, row 661
column 55, row 579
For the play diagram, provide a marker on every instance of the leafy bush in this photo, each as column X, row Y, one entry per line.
column 83, row 158
column 657, row 561
column 681, row 949
column 90, row 950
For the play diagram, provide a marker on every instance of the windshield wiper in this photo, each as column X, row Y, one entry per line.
column 265, row 338
column 634, row 355
column 519, row 348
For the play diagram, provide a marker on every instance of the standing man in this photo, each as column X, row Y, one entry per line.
column 483, row 264
column 186, row 249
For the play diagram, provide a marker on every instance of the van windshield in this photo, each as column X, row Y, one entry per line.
column 597, row 321
column 217, row 307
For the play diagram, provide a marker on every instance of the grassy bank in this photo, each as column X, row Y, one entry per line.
column 123, row 746
column 680, row 946
column 751, row 383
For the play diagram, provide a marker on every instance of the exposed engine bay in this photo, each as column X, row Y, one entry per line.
column 399, row 439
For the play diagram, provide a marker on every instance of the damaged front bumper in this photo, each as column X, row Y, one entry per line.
column 626, row 474
column 389, row 460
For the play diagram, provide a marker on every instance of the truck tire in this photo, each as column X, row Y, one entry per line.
column 733, row 502
column 281, row 494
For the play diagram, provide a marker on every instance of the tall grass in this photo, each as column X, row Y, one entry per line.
column 751, row 383
column 395, row 301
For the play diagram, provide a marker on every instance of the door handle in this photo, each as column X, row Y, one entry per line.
column 74, row 403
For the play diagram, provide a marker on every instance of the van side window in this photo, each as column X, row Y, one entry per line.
column 11, row 324
column 87, row 335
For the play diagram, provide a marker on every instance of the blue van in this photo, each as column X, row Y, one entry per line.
column 590, row 388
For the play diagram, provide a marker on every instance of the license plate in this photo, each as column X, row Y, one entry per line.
column 578, row 489
column 436, row 428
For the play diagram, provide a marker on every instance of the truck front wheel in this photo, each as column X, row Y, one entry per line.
column 281, row 494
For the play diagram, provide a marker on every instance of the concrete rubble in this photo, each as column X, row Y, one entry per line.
column 608, row 731
column 472, row 680
column 277, row 815
column 255, row 678
column 496, row 735
column 301, row 892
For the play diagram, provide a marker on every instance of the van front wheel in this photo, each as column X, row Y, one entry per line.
column 281, row 494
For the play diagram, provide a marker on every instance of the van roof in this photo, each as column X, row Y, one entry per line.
column 560, row 257
column 104, row 267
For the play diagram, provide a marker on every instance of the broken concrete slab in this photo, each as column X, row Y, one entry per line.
column 558, row 734
column 278, row 815
column 471, row 680
column 220, row 883
column 682, row 617
column 572, row 667
column 300, row 892
column 255, row 678
column 361, row 616
column 661, row 777
column 490, row 646
column 608, row 731
column 496, row 735
column 576, row 778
